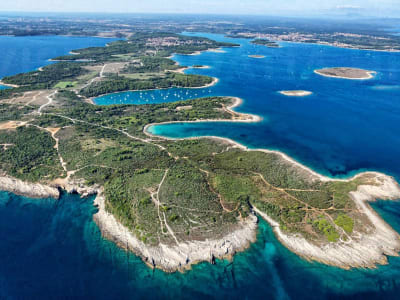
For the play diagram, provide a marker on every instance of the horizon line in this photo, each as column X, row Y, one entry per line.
column 295, row 14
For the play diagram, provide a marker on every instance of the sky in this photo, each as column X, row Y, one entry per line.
column 382, row 8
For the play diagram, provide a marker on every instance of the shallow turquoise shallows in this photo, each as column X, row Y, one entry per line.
column 53, row 249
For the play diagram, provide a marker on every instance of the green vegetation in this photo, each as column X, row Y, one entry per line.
column 65, row 84
column 141, row 43
column 147, row 64
column 207, row 186
column 48, row 76
column 345, row 222
column 162, row 190
column 146, row 53
column 117, row 84
column 30, row 155
column 327, row 229
column 11, row 112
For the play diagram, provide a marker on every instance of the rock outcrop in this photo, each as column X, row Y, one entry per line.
column 33, row 190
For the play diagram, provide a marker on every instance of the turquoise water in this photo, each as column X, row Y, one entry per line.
column 52, row 249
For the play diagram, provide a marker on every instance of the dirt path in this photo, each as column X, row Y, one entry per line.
column 50, row 98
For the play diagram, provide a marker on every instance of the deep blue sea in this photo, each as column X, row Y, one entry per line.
column 53, row 249
column 24, row 54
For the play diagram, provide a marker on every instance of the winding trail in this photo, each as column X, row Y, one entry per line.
column 50, row 98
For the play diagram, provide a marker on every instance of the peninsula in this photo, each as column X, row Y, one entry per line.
column 176, row 202
column 346, row 73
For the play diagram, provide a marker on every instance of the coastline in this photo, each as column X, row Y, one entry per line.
column 341, row 47
column 249, row 118
column 384, row 241
column 180, row 257
column 212, row 83
column 181, row 70
column 215, row 80
column 243, row 118
column 169, row 258
column 200, row 67
column 366, row 251
column 216, row 50
column 8, row 85
column 27, row 189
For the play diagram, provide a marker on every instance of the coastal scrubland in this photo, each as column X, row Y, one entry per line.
column 165, row 192
column 145, row 54
column 207, row 186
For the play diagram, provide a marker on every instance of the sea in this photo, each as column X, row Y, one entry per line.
column 28, row 53
column 52, row 249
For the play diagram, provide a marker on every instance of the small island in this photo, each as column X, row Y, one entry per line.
column 257, row 56
column 296, row 93
column 200, row 67
column 346, row 73
column 265, row 42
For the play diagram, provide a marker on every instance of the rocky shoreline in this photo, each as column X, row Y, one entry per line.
column 170, row 258
column 364, row 251
column 32, row 190
column 180, row 257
